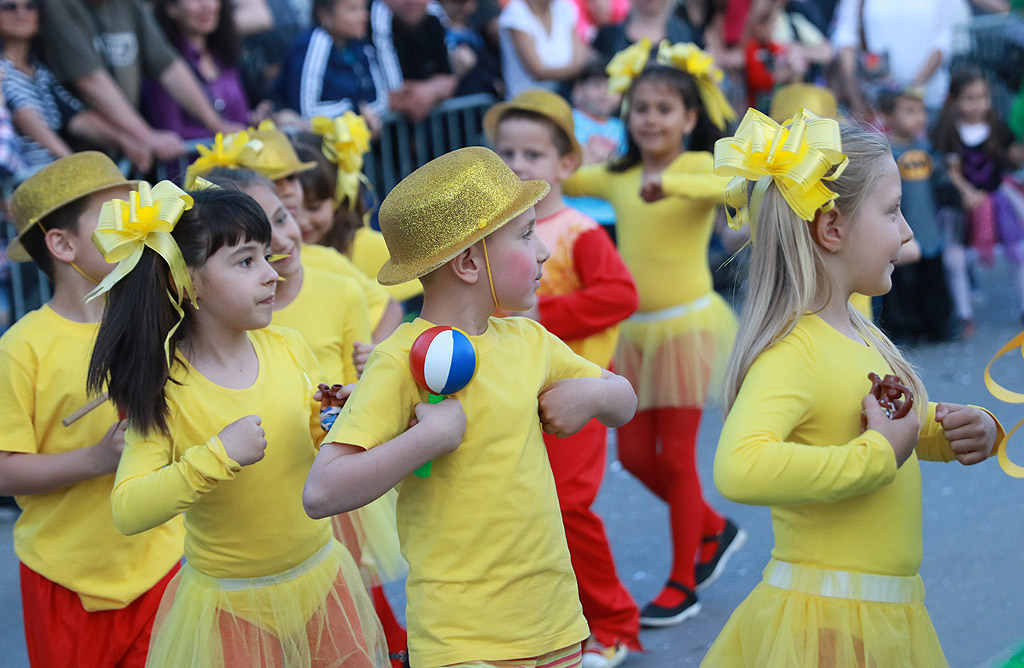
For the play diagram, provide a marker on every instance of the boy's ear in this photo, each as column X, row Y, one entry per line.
column 61, row 245
column 468, row 264
column 568, row 164
column 828, row 230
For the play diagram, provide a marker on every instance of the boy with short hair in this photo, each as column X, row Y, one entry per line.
column 586, row 290
column 918, row 306
column 89, row 593
column 490, row 578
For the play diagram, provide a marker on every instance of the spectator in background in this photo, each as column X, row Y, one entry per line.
column 104, row 48
column 653, row 19
column 539, row 44
column 770, row 60
column 474, row 61
column 204, row 33
column 40, row 107
column 332, row 69
column 410, row 43
column 595, row 14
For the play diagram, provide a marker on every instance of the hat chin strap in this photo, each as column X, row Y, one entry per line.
column 490, row 280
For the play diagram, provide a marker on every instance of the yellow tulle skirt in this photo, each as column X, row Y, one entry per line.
column 805, row 617
column 676, row 357
column 371, row 535
column 315, row 614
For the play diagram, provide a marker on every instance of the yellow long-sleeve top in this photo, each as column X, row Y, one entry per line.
column 664, row 243
column 330, row 312
column 239, row 522
column 792, row 441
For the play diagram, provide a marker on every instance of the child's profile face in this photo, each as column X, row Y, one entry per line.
column 908, row 119
column 236, row 286
column 974, row 102
column 516, row 255
column 528, row 148
column 658, row 118
column 346, row 20
column 317, row 220
column 286, row 239
column 289, row 190
column 592, row 97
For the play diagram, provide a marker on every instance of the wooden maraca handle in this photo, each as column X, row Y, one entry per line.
column 84, row 410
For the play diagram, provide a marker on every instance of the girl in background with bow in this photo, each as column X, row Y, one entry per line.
column 800, row 436
column 665, row 196
column 222, row 428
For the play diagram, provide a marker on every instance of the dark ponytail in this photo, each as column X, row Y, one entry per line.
column 128, row 359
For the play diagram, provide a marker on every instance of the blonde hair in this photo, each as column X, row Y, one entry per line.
column 787, row 271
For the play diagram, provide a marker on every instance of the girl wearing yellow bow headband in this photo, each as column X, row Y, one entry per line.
column 803, row 434
column 219, row 430
column 665, row 198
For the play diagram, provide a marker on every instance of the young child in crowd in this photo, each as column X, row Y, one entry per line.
column 599, row 132
column 841, row 478
column 493, row 586
column 665, row 198
column 980, row 154
column 585, row 292
column 918, row 305
column 89, row 594
column 222, row 428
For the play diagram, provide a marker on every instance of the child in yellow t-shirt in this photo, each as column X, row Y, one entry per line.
column 222, row 429
column 489, row 573
column 803, row 435
column 79, row 574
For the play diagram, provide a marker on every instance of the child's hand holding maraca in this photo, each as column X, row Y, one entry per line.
column 244, row 440
column 331, row 398
column 108, row 450
column 971, row 432
column 444, row 423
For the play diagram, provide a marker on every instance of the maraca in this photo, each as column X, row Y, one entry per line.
column 443, row 362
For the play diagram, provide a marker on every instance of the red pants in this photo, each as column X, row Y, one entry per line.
column 659, row 447
column 61, row 634
column 578, row 463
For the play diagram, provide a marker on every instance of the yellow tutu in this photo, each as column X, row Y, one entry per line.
column 675, row 357
column 315, row 614
column 805, row 617
column 371, row 534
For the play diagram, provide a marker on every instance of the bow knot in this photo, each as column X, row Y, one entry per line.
column 699, row 64
column 234, row 150
column 346, row 141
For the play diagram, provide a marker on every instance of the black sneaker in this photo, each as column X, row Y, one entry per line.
column 656, row 615
column 729, row 541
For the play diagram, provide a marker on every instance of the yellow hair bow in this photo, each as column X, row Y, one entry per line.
column 125, row 229
column 346, row 141
column 797, row 156
column 234, row 150
column 627, row 64
column 1003, row 394
column 701, row 66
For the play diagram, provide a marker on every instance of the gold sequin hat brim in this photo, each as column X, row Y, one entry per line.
column 538, row 101
column 61, row 182
column 446, row 206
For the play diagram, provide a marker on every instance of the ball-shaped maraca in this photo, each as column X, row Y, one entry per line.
column 443, row 360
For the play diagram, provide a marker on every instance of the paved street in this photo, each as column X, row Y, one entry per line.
column 973, row 539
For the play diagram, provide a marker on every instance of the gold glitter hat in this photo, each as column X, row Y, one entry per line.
column 59, row 183
column 446, row 206
column 538, row 101
column 277, row 159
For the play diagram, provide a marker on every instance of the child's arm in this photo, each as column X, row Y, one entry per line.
column 150, row 488
column 697, row 184
column 569, row 404
column 954, row 431
column 38, row 473
column 345, row 477
column 588, row 181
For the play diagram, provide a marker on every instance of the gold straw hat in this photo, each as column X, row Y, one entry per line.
column 788, row 100
column 539, row 101
column 277, row 159
column 59, row 183
column 446, row 206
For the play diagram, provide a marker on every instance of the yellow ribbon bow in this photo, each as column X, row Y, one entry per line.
column 1003, row 394
column 125, row 229
column 346, row 141
column 234, row 150
column 797, row 156
column 701, row 66
column 627, row 64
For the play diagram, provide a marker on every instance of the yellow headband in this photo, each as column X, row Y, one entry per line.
column 1003, row 394
column 146, row 219
column 797, row 156
column 346, row 141
column 700, row 65
column 233, row 150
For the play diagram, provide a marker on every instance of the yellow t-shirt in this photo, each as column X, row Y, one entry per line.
column 68, row 535
column 330, row 313
column 370, row 252
column 489, row 571
column 239, row 522
column 331, row 261
column 664, row 243
column 792, row 441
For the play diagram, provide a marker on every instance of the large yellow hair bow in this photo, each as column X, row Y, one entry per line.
column 125, row 229
column 701, row 66
column 346, row 141
column 1011, row 397
column 627, row 64
column 798, row 156
column 237, row 149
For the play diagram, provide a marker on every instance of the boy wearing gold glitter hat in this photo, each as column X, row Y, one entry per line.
column 79, row 574
column 489, row 573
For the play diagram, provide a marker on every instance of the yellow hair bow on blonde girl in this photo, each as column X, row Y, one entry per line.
column 627, row 64
column 699, row 64
column 346, row 141
column 1010, row 397
column 125, row 229
column 798, row 156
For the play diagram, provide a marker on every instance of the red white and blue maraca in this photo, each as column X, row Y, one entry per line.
column 443, row 361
